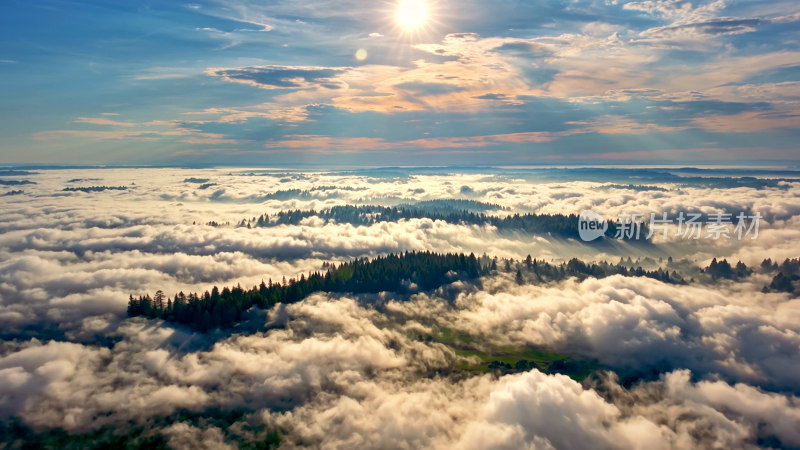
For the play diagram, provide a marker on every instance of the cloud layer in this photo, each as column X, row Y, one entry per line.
column 514, row 83
column 702, row 365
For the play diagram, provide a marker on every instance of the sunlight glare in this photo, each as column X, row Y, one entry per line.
column 411, row 14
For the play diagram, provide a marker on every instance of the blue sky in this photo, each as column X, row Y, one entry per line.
column 479, row 82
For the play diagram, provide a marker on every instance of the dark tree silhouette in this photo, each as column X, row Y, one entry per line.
column 394, row 272
column 560, row 225
column 402, row 273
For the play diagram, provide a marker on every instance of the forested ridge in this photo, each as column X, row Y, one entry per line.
column 88, row 189
column 787, row 278
column 394, row 272
column 410, row 272
column 561, row 225
column 15, row 182
column 402, row 273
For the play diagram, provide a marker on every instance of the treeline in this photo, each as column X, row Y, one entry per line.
column 395, row 273
column 410, row 272
column 214, row 224
column 723, row 269
column 95, row 188
column 287, row 194
column 636, row 187
column 328, row 187
column 532, row 271
column 788, row 277
column 561, row 225
column 403, row 273
column 454, row 205
column 15, row 182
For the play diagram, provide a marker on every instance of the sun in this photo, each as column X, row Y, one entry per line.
column 411, row 14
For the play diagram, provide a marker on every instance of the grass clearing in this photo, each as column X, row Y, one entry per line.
column 478, row 358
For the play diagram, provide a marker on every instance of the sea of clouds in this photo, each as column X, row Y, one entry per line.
column 707, row 365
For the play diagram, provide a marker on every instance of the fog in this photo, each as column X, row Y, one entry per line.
column 712, row 364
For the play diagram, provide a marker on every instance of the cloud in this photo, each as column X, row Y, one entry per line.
column 429, row 88
column 103, row 121
column 282, row 77
column 469, row 78
column 389, row 88
column 748, row 122
column 533, row 410
column 642, row 325
column 663, row 7
column 271, row 111
column 698, row 365
column 711, row 27
column 183, row 435
column 352, row 380
column 621, row 125
column 492, row 96
column 165, row 73
column 148, row 131
column 327, row 144
column 499, row 70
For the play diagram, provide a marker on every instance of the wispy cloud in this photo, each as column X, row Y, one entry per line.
column 148, row 131
column 749, row 122
column 166, row 73
column 282, row 77
column 360, row 144
column 104, row 121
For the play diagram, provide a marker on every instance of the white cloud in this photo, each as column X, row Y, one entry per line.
column 719, row 362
